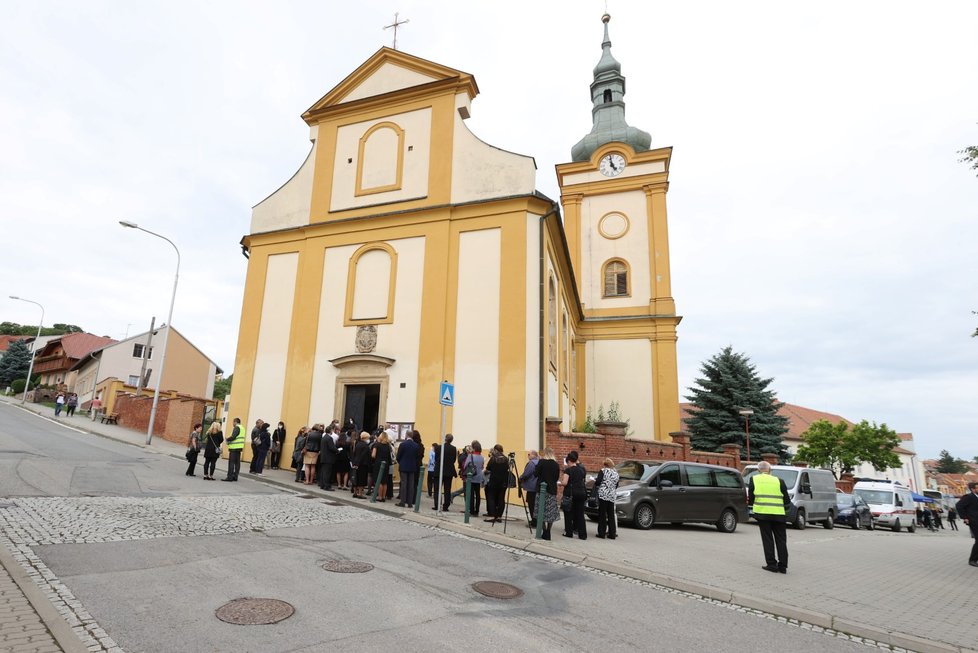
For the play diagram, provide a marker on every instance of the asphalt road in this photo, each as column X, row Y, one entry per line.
column 137, row 557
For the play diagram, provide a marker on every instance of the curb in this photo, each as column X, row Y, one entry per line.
column 52, row 620
column 819, row 619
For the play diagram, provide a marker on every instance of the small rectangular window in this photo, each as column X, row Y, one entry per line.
column 134, row 381
column 137, row 351
column 725, row 478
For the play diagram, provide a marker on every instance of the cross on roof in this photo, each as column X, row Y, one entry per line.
column 395, row 25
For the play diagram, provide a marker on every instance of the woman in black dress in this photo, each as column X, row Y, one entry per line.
column 278, row 443
column 360, row 462
column 382, row 453
column 574, row 488
column 548, row 471
column 342, row 465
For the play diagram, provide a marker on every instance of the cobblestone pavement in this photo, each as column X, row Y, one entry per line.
column 21, row 629
column 29, row 522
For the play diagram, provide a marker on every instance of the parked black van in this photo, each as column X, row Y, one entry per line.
column 676, row 492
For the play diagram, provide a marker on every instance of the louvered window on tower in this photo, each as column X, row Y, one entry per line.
column 615, row 279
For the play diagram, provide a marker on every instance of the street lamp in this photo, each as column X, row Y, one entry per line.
column 747, row 412
column 166, row 334
column 30, row 368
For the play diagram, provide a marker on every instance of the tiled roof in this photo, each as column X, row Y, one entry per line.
column 799, row 418
column 5, row 341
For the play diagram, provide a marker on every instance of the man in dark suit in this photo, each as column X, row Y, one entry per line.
column 448, row 454
column 327, row 459
column 967, row 508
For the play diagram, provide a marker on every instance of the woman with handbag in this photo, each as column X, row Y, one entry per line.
column 548, row 471
column 212, row 449
column 278, row 444
column 300, row 443
column 574, row 498
column 193, row 448
column 605, row 487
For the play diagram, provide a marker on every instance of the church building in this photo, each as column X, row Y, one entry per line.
column 406, row 252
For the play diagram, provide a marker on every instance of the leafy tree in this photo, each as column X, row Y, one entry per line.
column 730, row 384
column 948, row 464
column 969, row 155
column 58, row 329
column 222, row 387
column 841, row 449
column 15, row 362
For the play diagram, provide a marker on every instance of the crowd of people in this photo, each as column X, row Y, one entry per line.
column 336, row 456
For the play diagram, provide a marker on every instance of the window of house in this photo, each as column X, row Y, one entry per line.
column 137, row 351
column 615, row 279
column 134, row 381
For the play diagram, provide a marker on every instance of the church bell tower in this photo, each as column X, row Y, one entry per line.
column 613, row 194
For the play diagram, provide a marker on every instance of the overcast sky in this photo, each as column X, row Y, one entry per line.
column 819, row 220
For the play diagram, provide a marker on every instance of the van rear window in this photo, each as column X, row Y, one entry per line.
column 787, row 475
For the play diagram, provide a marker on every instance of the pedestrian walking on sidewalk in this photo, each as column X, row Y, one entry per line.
column 431, row 469
column 967, row 507
column 952, row 518
column 212, row 449
column 193, row 448
column 71, row 404
column 475, row 463
column 768, row 496
column 606, row 486
column 59, row 404
column 574, row 497
column 409, row 454
column 236, row 442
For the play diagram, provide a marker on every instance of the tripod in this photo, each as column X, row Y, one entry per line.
column 512, row 473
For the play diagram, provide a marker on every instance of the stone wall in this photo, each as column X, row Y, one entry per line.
column 175, row 417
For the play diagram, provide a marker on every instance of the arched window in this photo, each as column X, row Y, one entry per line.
column 616, row 278
column 380, row 160
column 370, row 285
column 552, row 319
column 607, row 95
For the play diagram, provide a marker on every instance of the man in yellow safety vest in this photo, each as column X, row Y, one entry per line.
column 235, row 441
column 768, row 496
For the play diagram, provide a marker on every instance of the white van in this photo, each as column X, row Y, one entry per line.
column 812, row 493
column 891, row 503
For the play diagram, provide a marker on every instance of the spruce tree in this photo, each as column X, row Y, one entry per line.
column 729, row 385
column 14, row 363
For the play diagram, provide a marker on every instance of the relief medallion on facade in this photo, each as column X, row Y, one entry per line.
column 366, row 339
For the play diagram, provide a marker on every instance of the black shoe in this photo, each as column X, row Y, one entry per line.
column 545, row 536
column 782, row 571
column 600, row 536
column 612, row 537
column 399, row 505
column 328, row 489
column 973, row 563
column 567, row 535
column 770, row 568
column 227, row 479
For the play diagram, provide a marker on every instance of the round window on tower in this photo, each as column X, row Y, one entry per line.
column 613, row 226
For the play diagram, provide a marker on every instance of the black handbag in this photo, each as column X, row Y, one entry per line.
column 565, row 503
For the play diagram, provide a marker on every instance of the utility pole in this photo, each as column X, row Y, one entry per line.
column 142, row 370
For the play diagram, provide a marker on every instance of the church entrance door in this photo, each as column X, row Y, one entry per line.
column 363, row 405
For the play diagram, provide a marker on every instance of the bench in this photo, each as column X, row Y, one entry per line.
column 111, row 418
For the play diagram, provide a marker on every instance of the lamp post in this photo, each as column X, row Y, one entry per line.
column 30, row 368
column 747, row 412
column 166, row 334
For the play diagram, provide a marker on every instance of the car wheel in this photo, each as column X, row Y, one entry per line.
column 855, row 521
column 870, row 526
column 800, row 520
column 911, row 529
column 727, row 522
column 896, row 526
column 644, row 516
column 828, row 524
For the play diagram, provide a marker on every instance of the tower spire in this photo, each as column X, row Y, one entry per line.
column 608, row 111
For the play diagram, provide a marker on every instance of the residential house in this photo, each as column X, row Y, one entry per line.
column 909, row 473
column 188, row 370
column 54, row 361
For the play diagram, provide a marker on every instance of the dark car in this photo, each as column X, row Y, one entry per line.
column 676, row 492
column 853, row 511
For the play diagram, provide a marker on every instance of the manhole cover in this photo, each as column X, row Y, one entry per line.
column 254, row 612
column 495, row 590
column 348, row 566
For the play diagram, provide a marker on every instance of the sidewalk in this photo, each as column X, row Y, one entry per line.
column 654, row 557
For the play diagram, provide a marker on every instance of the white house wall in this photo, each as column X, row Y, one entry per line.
column 290, row 205
column 481, row 171
column 268, row 385
column 621, row 370
column 531, row 410
column 632, row 247
column 387, row 78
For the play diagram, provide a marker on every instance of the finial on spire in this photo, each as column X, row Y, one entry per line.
column 395, row 25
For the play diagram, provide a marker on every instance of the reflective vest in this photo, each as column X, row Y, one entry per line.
column 236, row 442
column 768, row 499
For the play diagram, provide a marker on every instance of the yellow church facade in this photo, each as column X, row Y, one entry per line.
column 406, row 252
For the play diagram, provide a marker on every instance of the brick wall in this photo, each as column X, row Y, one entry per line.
column 175, row 417
column 611, row 442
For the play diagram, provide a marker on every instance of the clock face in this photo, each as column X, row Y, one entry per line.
column 611, row 165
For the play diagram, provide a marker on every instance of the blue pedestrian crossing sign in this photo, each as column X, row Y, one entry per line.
column 446, row 394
